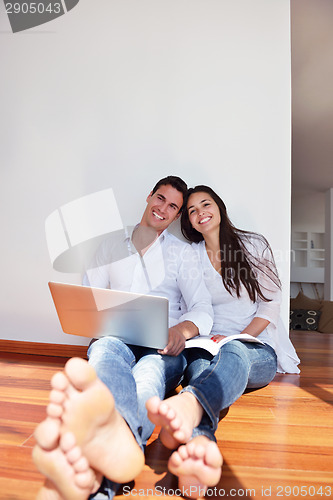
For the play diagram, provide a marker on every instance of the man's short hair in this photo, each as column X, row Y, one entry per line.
column 175, row 182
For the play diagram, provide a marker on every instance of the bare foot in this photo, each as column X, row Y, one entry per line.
column 67, row 471
column 177, row 415
column 198, row 464
column 86, row 409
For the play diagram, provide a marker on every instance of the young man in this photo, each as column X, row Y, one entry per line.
column 98, row 427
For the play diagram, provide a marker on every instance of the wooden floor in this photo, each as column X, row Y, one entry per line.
column 277, row 442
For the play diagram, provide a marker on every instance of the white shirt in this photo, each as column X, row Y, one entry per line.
column 232, row 314
column 169, row 268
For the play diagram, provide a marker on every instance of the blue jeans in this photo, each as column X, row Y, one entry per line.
column 219, row 381
column 134, row 374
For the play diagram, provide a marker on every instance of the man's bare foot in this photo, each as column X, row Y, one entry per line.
column 87, row 410
column 67, row 471
column 198, row 464
column 177, row 416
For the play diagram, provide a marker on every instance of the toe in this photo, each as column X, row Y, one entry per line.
column 213, row 455
column 81, row 465
column 57, row 397
column 74, row 455
column 175, row 459
column 164, row 409
column 183, row 452
column 80, row 373
column 67, row 442
column 54, row 410
column 84, row 479
column 171, row 414
column 47, row 433
column 196, row 451
column 59, row 381
column 175, row 423
column 181, row 436
column 153, row 404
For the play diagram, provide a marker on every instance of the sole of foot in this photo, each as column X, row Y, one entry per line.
column 177, row 416
column 86, row 408
column 198, row 465
column 67, row 471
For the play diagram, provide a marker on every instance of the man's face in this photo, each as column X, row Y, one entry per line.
column 162, row 208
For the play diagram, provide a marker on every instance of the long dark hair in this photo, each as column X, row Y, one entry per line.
column 244, row 254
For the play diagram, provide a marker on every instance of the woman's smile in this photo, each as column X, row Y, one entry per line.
column 204, row 220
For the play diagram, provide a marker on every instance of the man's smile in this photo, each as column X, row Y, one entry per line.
column 159, row 217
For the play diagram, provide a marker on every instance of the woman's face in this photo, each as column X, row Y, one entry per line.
column 203, row 213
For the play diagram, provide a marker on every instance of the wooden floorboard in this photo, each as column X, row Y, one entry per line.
column 277, row 442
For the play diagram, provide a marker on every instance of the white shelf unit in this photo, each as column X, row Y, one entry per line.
column 308, row 257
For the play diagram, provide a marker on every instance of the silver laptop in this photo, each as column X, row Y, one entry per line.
column 98, row 312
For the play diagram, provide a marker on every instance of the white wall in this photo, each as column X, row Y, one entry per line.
column 308, row 214
column 328, row 289
column 118, row 93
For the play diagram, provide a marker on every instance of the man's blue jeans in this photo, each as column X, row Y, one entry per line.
column 219, row 381
column 134, row 374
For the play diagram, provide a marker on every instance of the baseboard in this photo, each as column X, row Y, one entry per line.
column 41, row 349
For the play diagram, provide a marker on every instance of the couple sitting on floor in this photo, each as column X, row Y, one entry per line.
column 102, row 412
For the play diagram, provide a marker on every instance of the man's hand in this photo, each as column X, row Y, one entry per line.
column 177, row 336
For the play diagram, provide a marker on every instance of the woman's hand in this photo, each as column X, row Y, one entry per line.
column 217, row 338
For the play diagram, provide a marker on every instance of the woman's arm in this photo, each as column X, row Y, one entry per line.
column 254, row 328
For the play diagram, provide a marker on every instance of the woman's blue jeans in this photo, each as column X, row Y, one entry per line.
column 217, row 382
column 134, row 374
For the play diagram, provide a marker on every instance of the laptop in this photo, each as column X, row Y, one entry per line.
column 98, row 312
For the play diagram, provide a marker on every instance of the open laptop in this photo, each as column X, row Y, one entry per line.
column 98, row 312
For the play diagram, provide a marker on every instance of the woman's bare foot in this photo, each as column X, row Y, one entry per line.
column 86, row 408
column 67, row 471
column 198, row 464
column 177, row 416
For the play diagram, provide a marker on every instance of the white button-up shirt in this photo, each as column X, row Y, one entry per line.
column 169, row 268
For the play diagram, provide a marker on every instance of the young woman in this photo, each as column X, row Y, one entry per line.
column 241, row 275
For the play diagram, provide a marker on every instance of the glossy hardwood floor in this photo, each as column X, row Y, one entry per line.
column 277, row 442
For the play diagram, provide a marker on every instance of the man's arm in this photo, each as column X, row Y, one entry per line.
column 97, row 274
column 197, row 314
